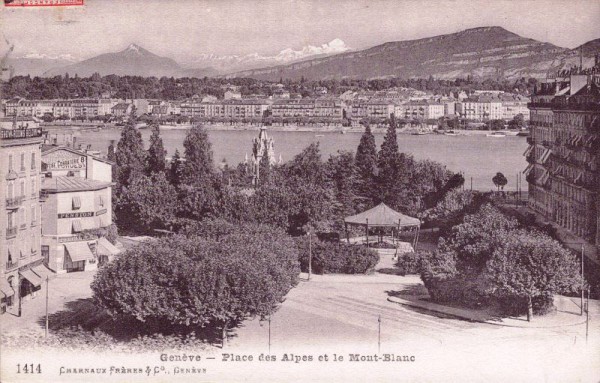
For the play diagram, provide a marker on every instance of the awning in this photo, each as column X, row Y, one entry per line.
column 31, row 277
column 107, row 248
column 42, row 271
column 6, row 289
column 79, row 251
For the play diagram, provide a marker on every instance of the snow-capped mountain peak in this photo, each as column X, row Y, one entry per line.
column 254, row 60
column 133, row 48
column 43, row 56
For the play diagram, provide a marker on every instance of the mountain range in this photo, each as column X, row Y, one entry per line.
column 485, row 52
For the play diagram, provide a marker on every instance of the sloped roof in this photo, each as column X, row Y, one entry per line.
column 382, row 215
column 71, row 184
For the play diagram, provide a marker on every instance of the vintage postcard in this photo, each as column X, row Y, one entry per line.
column 299, row 191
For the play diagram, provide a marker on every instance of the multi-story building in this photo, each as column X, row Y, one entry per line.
column 85, row 108
column 121, row 109
column 481, row 107
column 22, row 268
column 328, row 107
column 293, row 108
column 76, row 190
column 62, row 108
column 564, row 156
column 380, row 109
column 11, row 107
column 513, row 105
column 105, row 105
column 420, row 110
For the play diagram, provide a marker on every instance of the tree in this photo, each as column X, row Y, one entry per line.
column 529, row 265
column 156, row 152
column 130, row 157
column 517, row 122
column 499, row 180
column 199, row 281
column 150, row 203
column 200, row 184
column 198, row 156
column 175, row 169
column 341, row 172
column 388, row 162
column 366, row 166
column 477, row 237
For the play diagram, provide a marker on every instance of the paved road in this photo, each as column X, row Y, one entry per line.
column 339, row 314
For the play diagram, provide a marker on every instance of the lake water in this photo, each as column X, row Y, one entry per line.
column 477, row 156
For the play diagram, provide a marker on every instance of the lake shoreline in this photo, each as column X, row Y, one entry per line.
column 272, row 128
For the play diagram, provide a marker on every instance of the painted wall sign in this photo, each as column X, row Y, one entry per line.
column 63, row 160
column 100, row 212
column 76, row 215
column 75, row 238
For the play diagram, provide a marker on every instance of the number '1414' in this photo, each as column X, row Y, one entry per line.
column 29, row 368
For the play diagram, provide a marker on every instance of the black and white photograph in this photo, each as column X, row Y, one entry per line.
column 299, row 191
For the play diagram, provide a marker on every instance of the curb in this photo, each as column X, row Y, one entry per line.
column 405, row 302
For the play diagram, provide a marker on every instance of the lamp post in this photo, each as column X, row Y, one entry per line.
column 379, row 333
column 582, row 277
column 46, row 330
column 309, row 255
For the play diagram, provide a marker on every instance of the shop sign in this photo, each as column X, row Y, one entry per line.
column 75, row 238
column 64, row 160
column 76, row 215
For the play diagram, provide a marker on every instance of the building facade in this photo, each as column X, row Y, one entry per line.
column 22, row 269
column 77, row 192
column 563, row 170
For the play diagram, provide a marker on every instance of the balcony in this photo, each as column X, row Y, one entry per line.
column 11, row 232
column 12, row 265
column 14, row 202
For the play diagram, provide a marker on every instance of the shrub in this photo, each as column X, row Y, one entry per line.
column 328, row 257
column 411, row 263
column 197, row 281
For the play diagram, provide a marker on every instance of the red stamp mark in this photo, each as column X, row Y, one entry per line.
column 42, row 3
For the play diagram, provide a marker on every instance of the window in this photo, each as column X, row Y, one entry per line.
column 76, row 202
column 101, row 201
column 33, row 187
column 46, row 253
column 77, row 228
column 33, row 214
column 22, row 188
column 22, row 161
column 33, row 244
column 33, row 161
column 10, row 162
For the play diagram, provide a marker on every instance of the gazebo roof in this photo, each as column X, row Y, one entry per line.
column 382, row 215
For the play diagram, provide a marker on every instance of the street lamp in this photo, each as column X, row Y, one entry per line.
column 309, row 254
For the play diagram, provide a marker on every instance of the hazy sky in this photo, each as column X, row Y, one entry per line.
column 182, row 29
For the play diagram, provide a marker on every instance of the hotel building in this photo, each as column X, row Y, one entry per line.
column 22, row 269
column 564, row 159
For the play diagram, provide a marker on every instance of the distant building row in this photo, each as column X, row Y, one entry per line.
column 478, row 107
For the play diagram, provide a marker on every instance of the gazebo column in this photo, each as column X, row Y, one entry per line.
column 347, row 234
column 367, row 231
